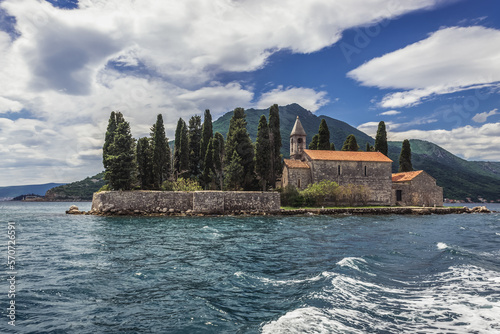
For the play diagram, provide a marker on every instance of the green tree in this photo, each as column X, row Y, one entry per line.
column 161, row 153
column 108, row 140
column 368, row 147
column 275, row 142
column 238, row 140
column 332, row 147
column 350, row 144
column 206, row 135
column 313, row 145
column 184, row 170
column 405, row 157
column 381, row 139
column 208, row 175
column 194, row 139
column 144, row 157
column 263, row 156
column 177, row 146
column 324, row 136
column 218, row 159
column 233, row 172
column 120, row 156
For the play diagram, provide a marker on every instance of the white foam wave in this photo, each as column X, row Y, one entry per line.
column 441, row 245
column 458, row 300
column 271, row 281
column 355, row 263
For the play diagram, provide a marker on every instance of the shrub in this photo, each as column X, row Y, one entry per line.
column 105, row 187
column 181, row 184
column 319, row 193
column 290, row 196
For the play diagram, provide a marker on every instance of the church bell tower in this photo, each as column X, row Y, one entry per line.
column 297, row 140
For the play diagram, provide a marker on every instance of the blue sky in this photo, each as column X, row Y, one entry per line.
column 429, row 68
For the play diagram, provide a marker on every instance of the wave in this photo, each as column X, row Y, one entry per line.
column 277, row 282
column 462, row 299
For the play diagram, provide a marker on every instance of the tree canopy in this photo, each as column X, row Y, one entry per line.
column 405, row 157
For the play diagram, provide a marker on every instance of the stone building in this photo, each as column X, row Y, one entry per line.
column 416, row 188
column 372, row 170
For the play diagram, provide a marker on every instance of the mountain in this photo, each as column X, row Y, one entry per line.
column 458, row 177
column 338, row 130
column 77, row 191
column 38, row 189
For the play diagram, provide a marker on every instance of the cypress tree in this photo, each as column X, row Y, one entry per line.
column 381, row 139
column 177, row 146
column 323, row 136
column 161, row 153
column 108, row 140
column 350, row 144
column 238, row 140
column 405, row 157
column 263, row 156
column 206, row 136
column 275, row 142
column 184, row 170
column 368, row 147
column 332, row 147
column 144, row 157
column 194, row 139
column 208, row 174
column 313, row 145
column 218, row 159
column 233, row 172
column 120, row 156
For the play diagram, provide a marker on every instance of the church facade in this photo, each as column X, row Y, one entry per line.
column 372, row 170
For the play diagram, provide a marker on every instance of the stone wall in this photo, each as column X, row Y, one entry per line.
column 298, row 177
column 377, row 177
column 210, row 202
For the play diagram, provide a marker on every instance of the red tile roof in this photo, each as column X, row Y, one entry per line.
column 290, row 163
column 346, row 156
column 404, row 177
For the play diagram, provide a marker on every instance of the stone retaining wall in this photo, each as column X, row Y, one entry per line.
column 208, row 202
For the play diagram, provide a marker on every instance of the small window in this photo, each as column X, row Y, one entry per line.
column 298, row 183
column 299, row 140
column 399, row 195
column 338, row 170
column 365, row 172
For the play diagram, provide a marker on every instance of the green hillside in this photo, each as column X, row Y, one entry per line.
column 459, row 178
column 77, row 191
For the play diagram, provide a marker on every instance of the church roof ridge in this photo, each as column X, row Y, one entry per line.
column 346, row 156
column 298, row 129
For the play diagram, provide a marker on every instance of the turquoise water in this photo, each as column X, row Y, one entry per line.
column 315, row 274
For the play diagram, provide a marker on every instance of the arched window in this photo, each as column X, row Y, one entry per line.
column 298, row 183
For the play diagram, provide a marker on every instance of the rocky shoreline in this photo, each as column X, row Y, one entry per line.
column 73, row 210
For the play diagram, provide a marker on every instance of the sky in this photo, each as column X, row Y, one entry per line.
column 430, row 69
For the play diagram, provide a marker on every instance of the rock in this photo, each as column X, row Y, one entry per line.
column 171, row 210
column 73, row 208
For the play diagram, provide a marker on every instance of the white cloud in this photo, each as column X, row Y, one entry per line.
column 473, row 143
column 306, row 97
column 60, row 67
column 449, row 60
column 482, row 117
column 389, row 113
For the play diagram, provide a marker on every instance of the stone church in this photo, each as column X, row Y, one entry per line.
column 373, row 170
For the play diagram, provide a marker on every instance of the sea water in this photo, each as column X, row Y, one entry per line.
column 304, row 274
